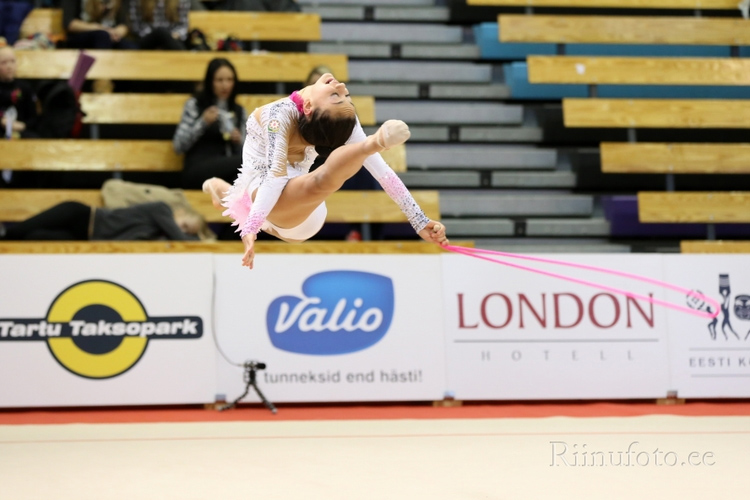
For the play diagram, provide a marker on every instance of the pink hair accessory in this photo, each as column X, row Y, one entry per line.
column 483, row 254
column 297, row 99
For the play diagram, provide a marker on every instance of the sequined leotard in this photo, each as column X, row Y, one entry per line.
column 265, row 166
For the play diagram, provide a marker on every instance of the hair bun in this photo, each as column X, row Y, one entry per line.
column 324, row 151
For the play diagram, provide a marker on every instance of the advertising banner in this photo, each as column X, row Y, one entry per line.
column 710, row 358
column 332, row 327
column 93, row 330
column 515, row 335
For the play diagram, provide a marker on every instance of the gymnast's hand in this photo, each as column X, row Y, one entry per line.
column 249, row 255
column 434, row 232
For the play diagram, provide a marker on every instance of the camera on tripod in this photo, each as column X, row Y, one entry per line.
column 251, row 369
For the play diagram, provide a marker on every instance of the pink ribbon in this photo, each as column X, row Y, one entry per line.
column 481, row 254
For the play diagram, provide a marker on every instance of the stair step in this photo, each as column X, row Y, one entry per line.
column 449, row 112
column 534, row 180
column 462, row 203
column 419, row 71
column 390, row 32
column 416, row 13
column 438, row 179
column 463, row 228
column 469, row 91
column 501, row 134
column 457, row 133
column 464, row 156
column 394, row 50
column 550, row 245
column 367, row 3
column 567, row 227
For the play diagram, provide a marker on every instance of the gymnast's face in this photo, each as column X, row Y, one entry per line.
column 328, row 94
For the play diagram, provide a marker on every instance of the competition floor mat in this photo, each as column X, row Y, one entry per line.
column 571, row 451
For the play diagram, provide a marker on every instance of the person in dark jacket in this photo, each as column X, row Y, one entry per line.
column 16, row 94
column 72, row 220
column 212, row 129
column 96, row 24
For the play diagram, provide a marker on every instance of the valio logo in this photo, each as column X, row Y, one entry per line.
column 98, row 329
column 339, row 312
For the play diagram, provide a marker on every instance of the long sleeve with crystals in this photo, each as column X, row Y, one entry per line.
column 276, row 123
column 391, row 183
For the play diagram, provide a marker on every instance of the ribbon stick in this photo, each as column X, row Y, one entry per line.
column 488, row 255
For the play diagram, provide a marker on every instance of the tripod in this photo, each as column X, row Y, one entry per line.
column 251, row 369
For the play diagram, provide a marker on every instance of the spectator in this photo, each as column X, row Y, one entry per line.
column 160, row 24
column 17, row 95
column 95, row 24
column 212, row 129
column 72, row 220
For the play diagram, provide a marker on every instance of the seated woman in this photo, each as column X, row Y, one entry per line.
column 72, row 220
column 212, row 128
column 275, row 190
column 95, row 24
column 160, row 24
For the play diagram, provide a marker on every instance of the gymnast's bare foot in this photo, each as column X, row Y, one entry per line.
column 390, row 134
column 216, row 188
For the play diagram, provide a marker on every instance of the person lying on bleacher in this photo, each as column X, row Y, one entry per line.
column 17, row 101
column 276, row 192
column 212, row 128
column 95, row 24
column 159, row 24
column 72, row 220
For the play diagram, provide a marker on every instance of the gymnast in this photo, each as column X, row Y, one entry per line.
column 275, row 190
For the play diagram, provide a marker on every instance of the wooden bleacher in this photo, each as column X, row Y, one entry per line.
column 660, row 30
column 166, row 109
column 704, row 246
column 657, row 113
column 639, row 70
column 261, row 247
column 614, row 4
column 694, row 207
column 255, row 26
column 156, row 65
column 343, row 206
column 680, row 158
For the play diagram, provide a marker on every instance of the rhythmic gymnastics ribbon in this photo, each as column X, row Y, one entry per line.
column 492, row 256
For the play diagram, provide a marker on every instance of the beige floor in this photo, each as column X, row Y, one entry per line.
column 383, row 459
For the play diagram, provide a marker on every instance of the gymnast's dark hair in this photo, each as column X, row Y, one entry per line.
column 326, row 132
column 205, row 95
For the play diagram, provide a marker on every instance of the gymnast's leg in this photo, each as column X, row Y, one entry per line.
column 305, row 193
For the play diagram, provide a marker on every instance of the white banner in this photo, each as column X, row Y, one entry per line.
column 710, row 358
column 92, row 330
column 332, row 327
column 513, row 334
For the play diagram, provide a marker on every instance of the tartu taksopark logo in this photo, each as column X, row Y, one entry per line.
column 340, row 312
column 99, row 329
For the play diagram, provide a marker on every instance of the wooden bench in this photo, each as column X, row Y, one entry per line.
column 639, row 70
column 115, row 155
column 615, row 4
column 262, row 247
column 694, row 207
column 657, row 113
column 265, row 26
column 343, row 206
column 664, row 158
column 703, row 246
column 166, row 109
column 623, row 30
column 155, row 65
